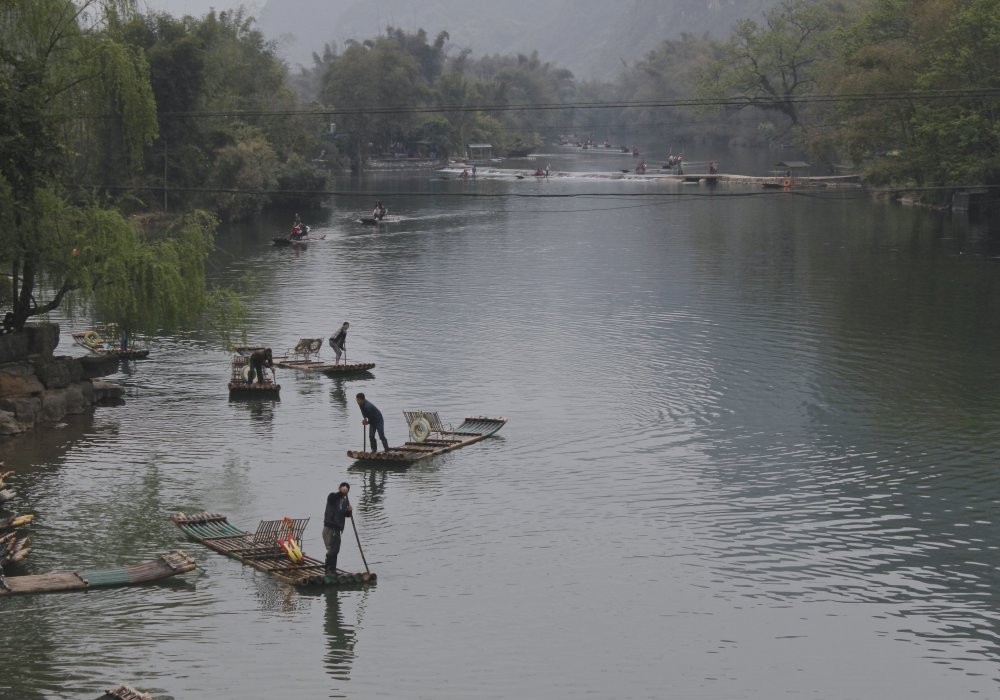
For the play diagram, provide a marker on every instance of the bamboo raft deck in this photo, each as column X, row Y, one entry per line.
column 243, row 390
column 171, row 564
column 124, row 692
column 327, row 368
column 261, row 551
column 438, row 441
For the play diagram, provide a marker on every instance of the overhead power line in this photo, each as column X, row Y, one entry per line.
column 899, row 96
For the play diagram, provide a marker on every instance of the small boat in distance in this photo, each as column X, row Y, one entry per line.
column 372, row 221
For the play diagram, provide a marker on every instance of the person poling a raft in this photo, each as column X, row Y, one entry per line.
column 374, row 420
column 338, row 509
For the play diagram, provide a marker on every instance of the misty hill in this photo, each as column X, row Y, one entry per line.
column 593, row 38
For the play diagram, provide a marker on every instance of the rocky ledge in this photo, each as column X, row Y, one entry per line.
column 39, row 388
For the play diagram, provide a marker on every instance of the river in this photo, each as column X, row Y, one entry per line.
column 752, row 453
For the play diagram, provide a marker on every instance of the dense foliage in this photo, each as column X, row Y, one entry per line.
column 75, row 96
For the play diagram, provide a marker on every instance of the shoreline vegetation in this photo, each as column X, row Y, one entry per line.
column 128, row 137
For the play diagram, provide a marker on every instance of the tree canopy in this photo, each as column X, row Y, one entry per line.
column 72, row 93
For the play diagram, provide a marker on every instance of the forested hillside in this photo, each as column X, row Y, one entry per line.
column 592, row 38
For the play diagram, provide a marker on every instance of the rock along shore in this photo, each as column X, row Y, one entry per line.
column 38, row 388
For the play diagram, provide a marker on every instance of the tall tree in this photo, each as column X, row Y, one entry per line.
column 65, row 74
column 772, row 66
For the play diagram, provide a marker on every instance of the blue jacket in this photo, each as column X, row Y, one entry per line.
column 371, row 412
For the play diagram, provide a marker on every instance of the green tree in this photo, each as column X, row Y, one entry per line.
column 772, row 66
column 64, row 69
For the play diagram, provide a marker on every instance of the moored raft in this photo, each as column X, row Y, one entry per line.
column 98, row 344
column 171, row 564
column 261, row 549
column 428, row 437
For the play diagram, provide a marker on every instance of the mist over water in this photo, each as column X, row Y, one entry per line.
column 751, row 453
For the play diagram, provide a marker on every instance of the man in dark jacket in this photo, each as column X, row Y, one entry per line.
column 373, row 419
column 338, row 509
column 260, row 359
column 338, row 341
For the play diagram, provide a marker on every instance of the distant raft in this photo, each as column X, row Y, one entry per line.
column 262, row 549
column 125, row 692
column 428, row 437
column 240, row 388
column 171, row 564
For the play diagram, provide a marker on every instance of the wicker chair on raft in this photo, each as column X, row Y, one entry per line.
column 306, row 349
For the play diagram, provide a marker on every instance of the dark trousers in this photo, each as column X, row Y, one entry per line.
column 258, row 370
column 331, row 538
column 380, row 427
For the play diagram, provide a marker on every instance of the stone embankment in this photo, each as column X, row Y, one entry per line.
column 38, row 388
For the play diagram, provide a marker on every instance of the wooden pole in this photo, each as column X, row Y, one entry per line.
column 359, row 545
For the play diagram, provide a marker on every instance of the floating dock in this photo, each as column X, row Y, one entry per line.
column 261, row 549
column 429, row 437
column 171, row 564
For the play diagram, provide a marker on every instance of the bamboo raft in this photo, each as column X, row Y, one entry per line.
column 428, row 437
column 99, row 345
column 171, row 564
column 261, row 550
column 305, row 357
column 124, row 692
column 240, row 388
column 327, row 368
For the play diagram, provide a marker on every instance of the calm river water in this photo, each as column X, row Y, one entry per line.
column 752, row 453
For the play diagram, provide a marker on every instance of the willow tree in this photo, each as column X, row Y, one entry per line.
column 70, row 85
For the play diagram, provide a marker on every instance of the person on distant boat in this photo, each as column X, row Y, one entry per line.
column 297, row 228
column 465, row 173
column 338, row 509
column 713, row 167
column 338, row 341
column 259, row 359
column 374, row 420
column 474, row 171
column 379, row 212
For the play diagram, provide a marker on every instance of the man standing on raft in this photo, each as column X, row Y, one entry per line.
column 338, row 508
column 374, row 420
column 338, row 341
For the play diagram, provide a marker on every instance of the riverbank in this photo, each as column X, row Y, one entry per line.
column 39, row 388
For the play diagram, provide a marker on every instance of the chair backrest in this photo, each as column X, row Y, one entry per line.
column 432, row 417
column 270, row 531
column 308, row 346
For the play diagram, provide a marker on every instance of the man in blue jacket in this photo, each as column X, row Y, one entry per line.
column 373, row 419
column 338, row 509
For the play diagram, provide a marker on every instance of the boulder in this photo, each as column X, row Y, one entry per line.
column 26, row 409
column 9, row 424
column 57, row 372
column 13, row 347
column 53, row 405
column 18, row 379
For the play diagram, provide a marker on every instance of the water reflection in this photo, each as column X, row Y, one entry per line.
column 260, row 410
column 340, row 636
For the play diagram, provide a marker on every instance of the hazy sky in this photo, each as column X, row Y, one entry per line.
column 198, row 8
